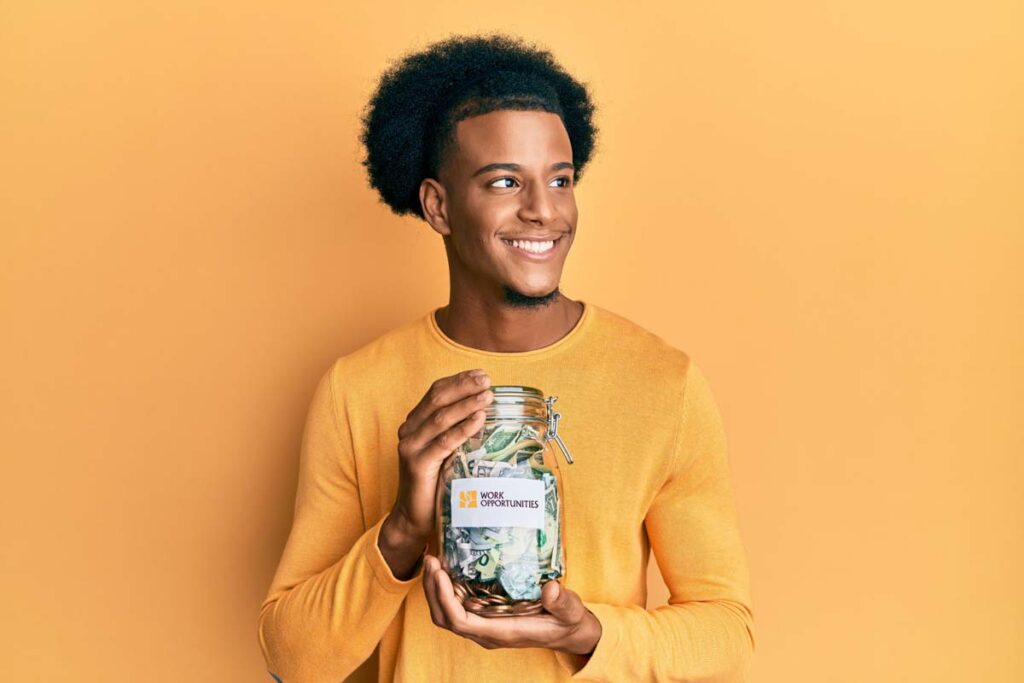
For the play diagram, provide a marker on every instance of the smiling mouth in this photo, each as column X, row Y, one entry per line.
column 537, row 247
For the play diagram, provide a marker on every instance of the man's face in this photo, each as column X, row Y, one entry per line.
column 510, row 177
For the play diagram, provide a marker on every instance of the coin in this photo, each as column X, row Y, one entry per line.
column 525, row 605
column 499, row 609
column 473, row 603
column 495, row 600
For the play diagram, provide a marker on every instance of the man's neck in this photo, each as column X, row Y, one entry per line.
column 506, row 328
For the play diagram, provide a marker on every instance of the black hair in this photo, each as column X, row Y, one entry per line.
column 409, row 122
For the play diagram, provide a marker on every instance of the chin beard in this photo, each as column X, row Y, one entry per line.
column 519, row 300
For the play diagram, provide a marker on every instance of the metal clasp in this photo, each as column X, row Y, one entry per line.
column 553, row 418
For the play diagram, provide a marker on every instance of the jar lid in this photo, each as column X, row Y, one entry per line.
column 517, row 402
column 511, row 389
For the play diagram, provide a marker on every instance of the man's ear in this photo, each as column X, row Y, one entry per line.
column 435, row 206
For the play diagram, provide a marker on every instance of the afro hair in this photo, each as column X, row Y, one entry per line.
column 408, row 125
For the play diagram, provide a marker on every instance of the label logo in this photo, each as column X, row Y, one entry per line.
column 467, row 499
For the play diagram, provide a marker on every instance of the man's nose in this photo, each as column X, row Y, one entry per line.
column 537, row 205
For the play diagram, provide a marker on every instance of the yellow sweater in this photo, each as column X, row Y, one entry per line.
column 650, row 471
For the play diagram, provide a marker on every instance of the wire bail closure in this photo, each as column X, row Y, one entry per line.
column 552, row 433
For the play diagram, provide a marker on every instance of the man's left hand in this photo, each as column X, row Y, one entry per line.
column 568, row 626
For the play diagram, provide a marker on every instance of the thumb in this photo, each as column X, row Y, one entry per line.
column 561, row 602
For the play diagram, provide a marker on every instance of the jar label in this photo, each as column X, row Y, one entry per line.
column 497, row 502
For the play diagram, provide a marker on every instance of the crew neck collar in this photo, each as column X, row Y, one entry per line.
column 567, row 340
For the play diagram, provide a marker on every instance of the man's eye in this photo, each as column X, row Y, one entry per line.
column 565, row 180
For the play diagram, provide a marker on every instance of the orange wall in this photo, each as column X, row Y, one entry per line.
column 820, row 202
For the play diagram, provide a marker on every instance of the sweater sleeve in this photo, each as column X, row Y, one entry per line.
column 705, row 632
column 333, row 594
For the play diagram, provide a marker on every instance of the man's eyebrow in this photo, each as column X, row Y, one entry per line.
column 516, row 167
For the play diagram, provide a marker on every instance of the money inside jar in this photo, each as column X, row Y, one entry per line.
column 500, row 515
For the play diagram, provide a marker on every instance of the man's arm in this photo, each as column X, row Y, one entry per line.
column 334, row 593
column 706, row 632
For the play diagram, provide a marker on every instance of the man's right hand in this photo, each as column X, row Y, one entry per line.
column 450, row 412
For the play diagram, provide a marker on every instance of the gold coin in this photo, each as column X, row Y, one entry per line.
column 527, row 606
column 495, row 600
column 499, row 609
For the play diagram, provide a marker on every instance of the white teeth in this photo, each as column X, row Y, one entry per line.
column 533, row 247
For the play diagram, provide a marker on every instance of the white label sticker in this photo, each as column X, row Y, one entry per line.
column 498, row 502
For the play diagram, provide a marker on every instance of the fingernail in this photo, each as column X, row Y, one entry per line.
column 477, row 373
column 556, row 590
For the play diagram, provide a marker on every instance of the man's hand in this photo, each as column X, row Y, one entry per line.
column 568, row 627
column 450, row 412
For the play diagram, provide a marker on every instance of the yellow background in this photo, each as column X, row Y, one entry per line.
column 819, row 201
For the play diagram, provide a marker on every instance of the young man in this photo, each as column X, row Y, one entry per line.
column 485, row 139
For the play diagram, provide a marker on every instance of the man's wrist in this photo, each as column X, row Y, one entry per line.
column 402, row 550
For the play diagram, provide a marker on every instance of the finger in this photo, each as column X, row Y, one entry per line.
column 562, row 603
column 449, row 603
column 444, row 443
column 482, row 642
column 479, row 629
column 448, row 426
column 431, row 567
column 442, row 392
column 529, row 631
column 471, row 626
column 492, row 633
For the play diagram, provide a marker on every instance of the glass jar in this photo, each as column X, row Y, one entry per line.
column 501, row 523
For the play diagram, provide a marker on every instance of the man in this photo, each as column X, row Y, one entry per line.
column 485, row 139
